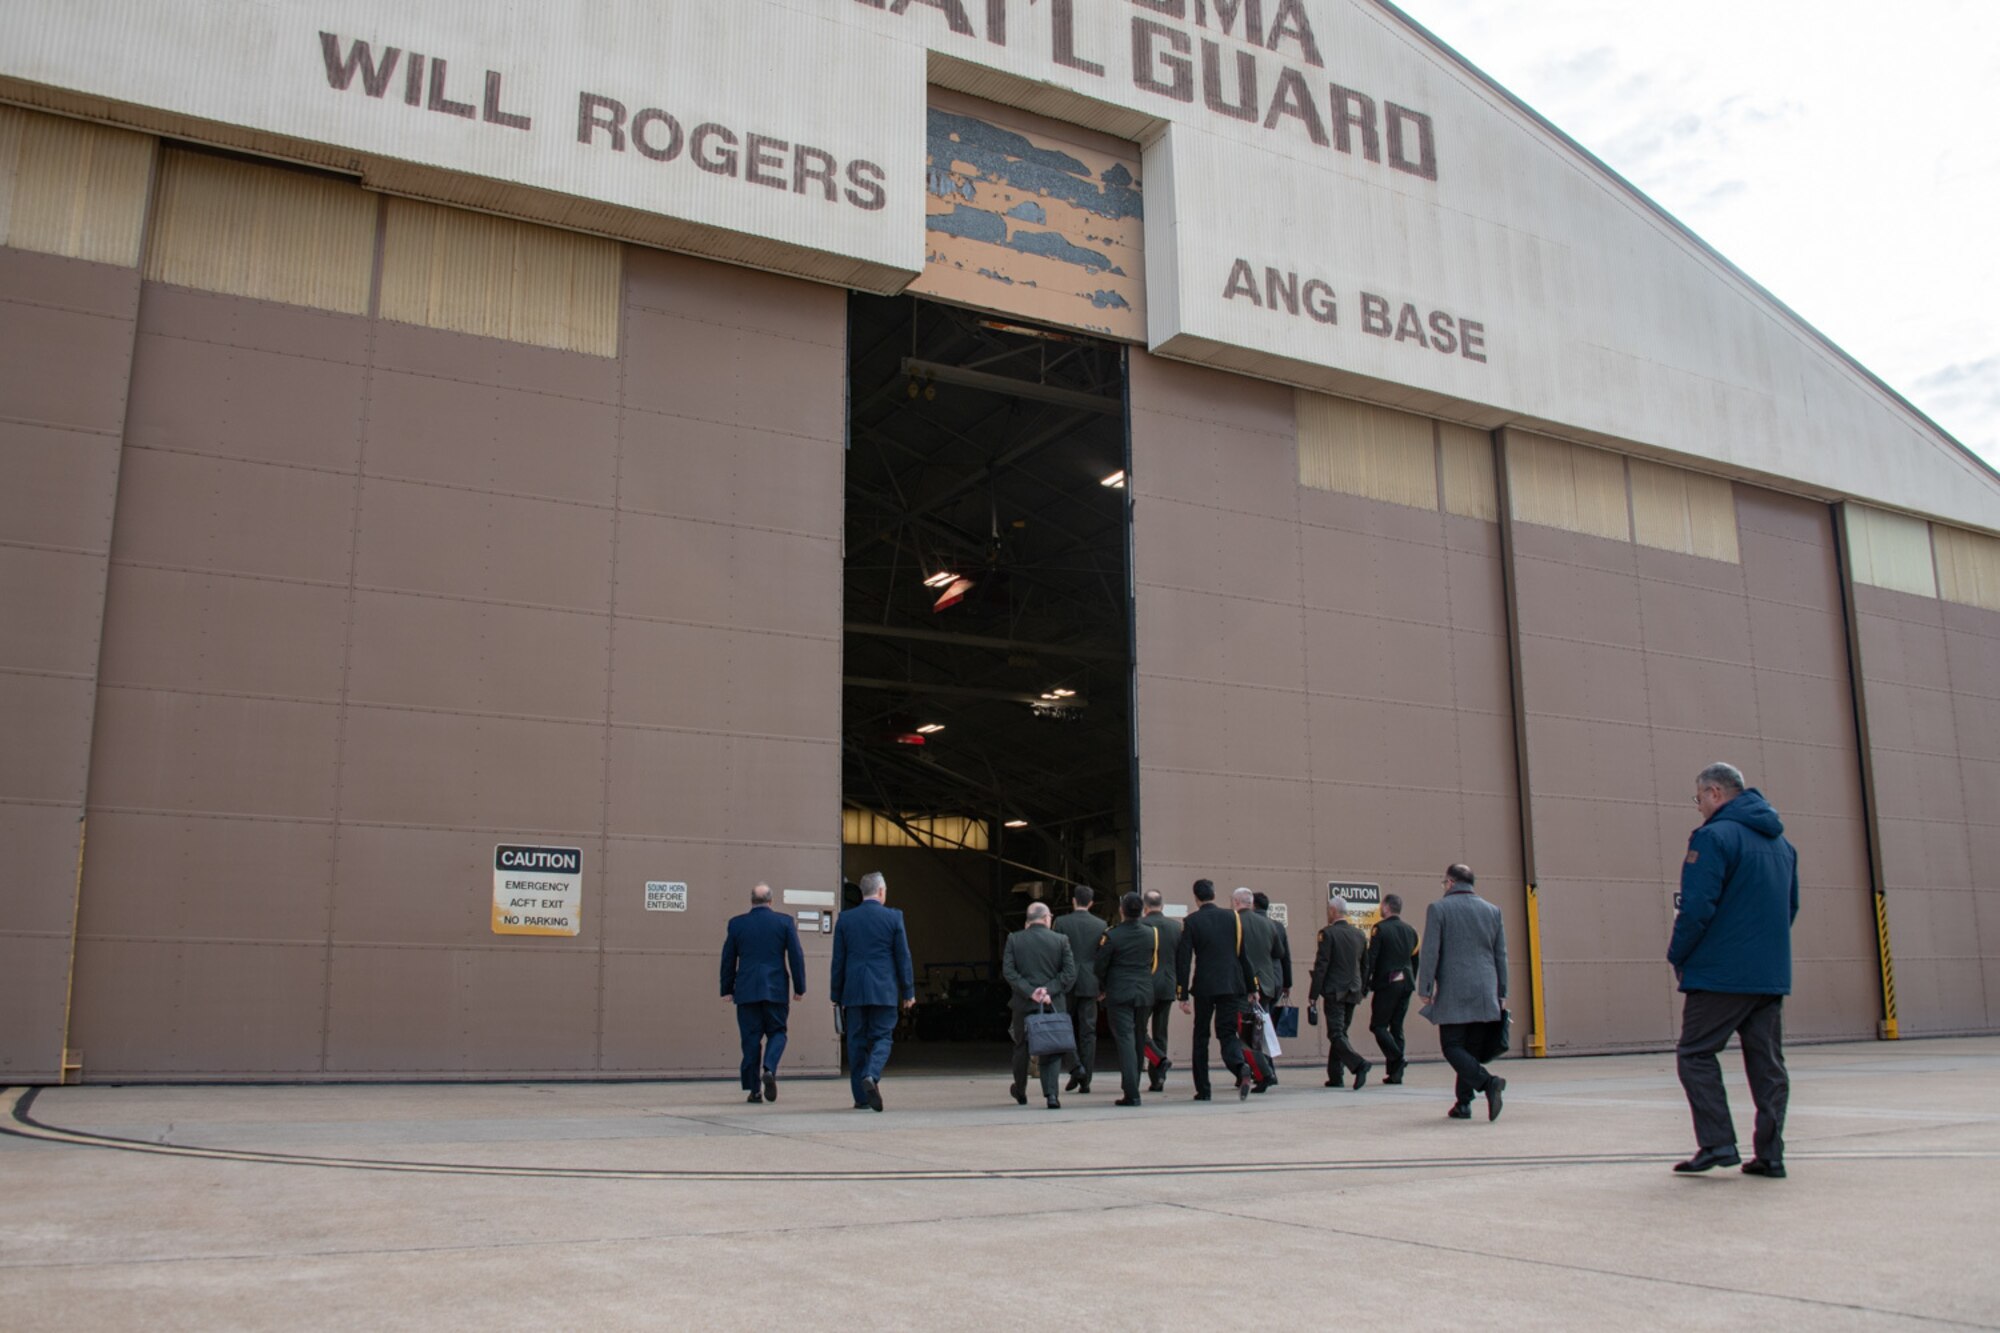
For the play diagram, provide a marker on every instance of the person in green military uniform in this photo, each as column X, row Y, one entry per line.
column 1128, row 958
column 1082, row 928
column 1040, row 969
column 1261, row 961
column 1163, row 983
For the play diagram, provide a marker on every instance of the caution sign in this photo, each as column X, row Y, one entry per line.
column 537, row 890
column 1364, row 901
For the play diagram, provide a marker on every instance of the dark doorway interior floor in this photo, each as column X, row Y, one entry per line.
column 986, row 755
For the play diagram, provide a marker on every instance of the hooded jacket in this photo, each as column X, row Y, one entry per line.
column 1739, row 896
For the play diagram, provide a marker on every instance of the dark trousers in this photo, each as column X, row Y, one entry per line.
column 1385, row 1019
column 1051, row 1069
column 1128, row 1029
column 761, row 1025
column 1224, row 1015
column 870, row 1030
column 1340, row 1053
column 1161, row 1009
column 1083, row 1016
column 1472, row 1076
column 1708, row 1020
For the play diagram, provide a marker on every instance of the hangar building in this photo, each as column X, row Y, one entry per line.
column 486, row 484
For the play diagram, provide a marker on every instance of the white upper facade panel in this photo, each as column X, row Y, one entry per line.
column 1330, row 197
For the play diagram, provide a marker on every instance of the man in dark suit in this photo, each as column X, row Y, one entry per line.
column 1163, row 986
column 1336, row 982
column 1040, row 970
column 1128, row 956
column 871, row 976
column 1082, row 929
column 1213, row 985
column 762, row 945
column 1389, row 969
column 1261, row 954
column 1283, row 952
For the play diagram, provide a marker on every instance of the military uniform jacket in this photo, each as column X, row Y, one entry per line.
column 1170, row 946
column 1129, row 956
column 1337, row 963
column 1392, row 952
column 1260, row 954
column 1211, row 948
column 1082, row 930
column 1033, row 958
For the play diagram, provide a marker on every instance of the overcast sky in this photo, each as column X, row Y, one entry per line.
column 1846, row 155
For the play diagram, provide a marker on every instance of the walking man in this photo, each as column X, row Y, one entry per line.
column 762, row 946
column 1163, row 987
column 1732, row 954
column 871, row 976
column 1128, row 957
column 1082, row 928
column 1261, row 958
column 1336, row 980
column 1040, row 970
column 1214, row 985
column 1389, row 969
column 1462, row 978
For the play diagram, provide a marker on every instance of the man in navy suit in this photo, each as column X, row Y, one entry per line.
column 872, row 975
column 760, row 946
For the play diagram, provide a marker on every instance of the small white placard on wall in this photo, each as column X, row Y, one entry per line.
column 666, row 896
column 1174, row 909
column 1281, row 913
column 810, row 898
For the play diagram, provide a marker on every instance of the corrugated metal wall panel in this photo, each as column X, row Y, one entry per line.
column 71, row 188
column 1685, row 512
column 446, row 268
column 1360, row 449
column 1467, row 457
column 268, row 233
column 1968, row 566
column 1890, row 550
column 1568, row 486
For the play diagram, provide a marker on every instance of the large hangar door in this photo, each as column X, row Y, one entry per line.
column 986, row 755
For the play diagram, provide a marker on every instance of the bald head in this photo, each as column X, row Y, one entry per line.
column 1038, row 914
column 761, row 896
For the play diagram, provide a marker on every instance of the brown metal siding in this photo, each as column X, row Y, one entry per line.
column 1322, row 688
column 384, row 596
column 1931, row 671
column 66, row 328
column 1639, row 667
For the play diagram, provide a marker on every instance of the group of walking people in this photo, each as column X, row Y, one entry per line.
column 1231, row 969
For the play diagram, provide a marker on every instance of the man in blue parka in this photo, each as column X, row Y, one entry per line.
column 1732, row 953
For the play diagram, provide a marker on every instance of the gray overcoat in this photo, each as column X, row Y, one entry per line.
column 1462, row 966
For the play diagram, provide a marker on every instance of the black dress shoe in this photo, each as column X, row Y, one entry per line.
column 1708, row 1159
column 863, row 1106
column 1243, row 1089
column 1126, row 1101
column 755, row 1099
column 1460, row 1111
column 1361, row 1075
column 872, row 1090
column 1392, row 1078
column 1155, row 1084
column 1074, row 1081
column 1055, row 1103
column 1199, row 1097
column 1019, row 1093
column 1494, row 1088
column 770, row 1085
column 1757, row 1166
column 1335, row 1083
column 1084, row 1087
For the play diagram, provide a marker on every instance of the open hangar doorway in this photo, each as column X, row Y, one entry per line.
column 987, row 756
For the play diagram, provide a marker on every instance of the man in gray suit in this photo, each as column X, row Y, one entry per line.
column 1462, row 980
column 1040, row 969
column 1082, row 928
column 1336, row 979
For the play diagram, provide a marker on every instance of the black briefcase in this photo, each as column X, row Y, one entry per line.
column 1495, row 1038
column 1050, row 1034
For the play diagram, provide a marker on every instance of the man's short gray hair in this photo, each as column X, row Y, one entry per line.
column 873, row 885
column 760, row 893
column 1038, row 912
column 1726, row 776
column 1243, row 897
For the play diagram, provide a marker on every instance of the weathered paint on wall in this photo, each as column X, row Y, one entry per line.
column 1034, row 218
